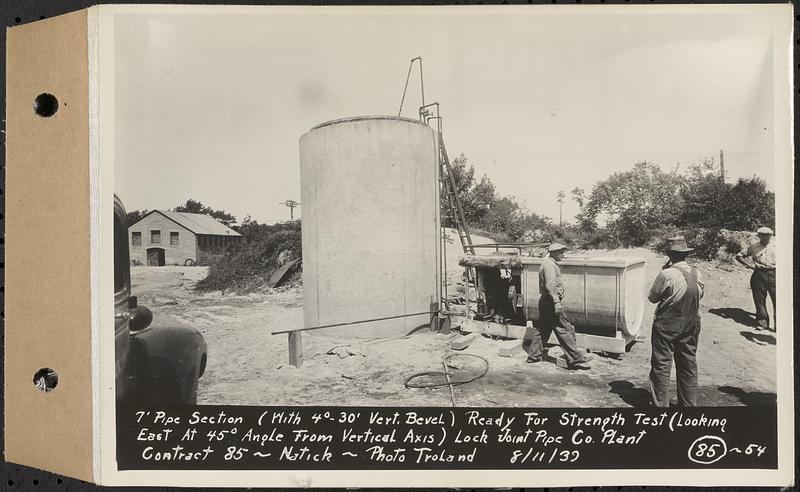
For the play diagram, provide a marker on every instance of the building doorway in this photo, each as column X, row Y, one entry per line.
column 155, row 257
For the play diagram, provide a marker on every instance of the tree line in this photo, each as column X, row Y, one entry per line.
column 191, row 206
column 628, row 208
column 488, row 212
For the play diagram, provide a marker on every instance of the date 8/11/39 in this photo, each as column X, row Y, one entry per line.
column 519, row 457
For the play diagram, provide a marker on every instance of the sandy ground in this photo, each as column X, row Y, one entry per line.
column 247, row 365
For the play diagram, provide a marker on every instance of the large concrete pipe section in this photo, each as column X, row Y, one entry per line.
column 603, row 295
column 370, row 195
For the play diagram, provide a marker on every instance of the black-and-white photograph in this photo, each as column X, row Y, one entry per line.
column 446, row 209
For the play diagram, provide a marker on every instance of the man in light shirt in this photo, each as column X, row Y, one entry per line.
column 552, row 317
column 762, row 282
column 677, row 290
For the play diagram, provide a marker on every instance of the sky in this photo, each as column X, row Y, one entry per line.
column 211, row 107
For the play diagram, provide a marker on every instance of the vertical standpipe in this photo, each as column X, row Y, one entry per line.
column 371, row 226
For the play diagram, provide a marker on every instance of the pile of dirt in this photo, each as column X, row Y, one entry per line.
column 738, row 240
column 724, row 244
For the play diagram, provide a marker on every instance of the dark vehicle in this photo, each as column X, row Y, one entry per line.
column 154, row 364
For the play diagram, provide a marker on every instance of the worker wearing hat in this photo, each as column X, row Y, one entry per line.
column 552, row 317
column 677, row 290
column 762, row 282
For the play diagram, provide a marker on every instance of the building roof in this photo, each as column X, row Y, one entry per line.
column 198, row 223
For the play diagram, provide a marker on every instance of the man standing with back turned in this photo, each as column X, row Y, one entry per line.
column 677, row 289
column 551, row 313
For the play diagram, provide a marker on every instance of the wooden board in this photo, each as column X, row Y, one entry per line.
column 595, row 343
column 281, row 273
column 496, row 329
column 296, row 349
column 461, row 343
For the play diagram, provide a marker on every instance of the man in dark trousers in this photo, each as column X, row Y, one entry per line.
column 762, row 282
column 552, row 317
column 677, row 290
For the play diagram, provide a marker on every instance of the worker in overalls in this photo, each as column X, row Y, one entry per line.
column 552, row 317
column 677, row 290
column 762, row 282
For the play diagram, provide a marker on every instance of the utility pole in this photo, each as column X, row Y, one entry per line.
column 291, row 204
column 721, row 165
column 560, row 196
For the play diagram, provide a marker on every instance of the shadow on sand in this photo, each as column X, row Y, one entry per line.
column 759, row 338
column 740, row 316
column 750, row 398
column 630, row 394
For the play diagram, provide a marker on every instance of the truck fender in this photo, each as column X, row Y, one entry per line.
column 168, row 362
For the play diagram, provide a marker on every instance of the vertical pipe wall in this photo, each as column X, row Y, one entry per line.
column 370, row 225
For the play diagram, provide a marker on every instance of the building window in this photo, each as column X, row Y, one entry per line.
column 136, row 238
column 155, row 237
column 173, row 238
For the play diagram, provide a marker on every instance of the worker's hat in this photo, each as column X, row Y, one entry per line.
column 556, row 247
column 765, row 230
column 678, row 245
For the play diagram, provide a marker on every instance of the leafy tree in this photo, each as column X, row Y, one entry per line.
column 464, row 177
column 476, row 197
column 635, row 202
column 196, row 207
column 709, row 202
column 578, row 196
column 586, row 225
column 501, row 216
column 481, row 199
column 703, row 201
column 136, row 215
column 485, row 209
column 750, row 205
column 527, row 224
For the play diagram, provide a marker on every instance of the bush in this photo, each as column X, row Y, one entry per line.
column 659, row 235
column 708, row 202
column 247, row 266
column 716, row 244
column 601, row 239
column 498, row 237
column 635, row 202
column 705, row 241
column 732, row 246
column 567, row 235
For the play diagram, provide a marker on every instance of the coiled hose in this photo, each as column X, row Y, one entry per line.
column 411, row 384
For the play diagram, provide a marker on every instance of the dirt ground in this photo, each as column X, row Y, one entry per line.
column 247, row 365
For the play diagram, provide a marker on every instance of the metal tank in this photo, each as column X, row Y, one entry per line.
column 370, row 225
